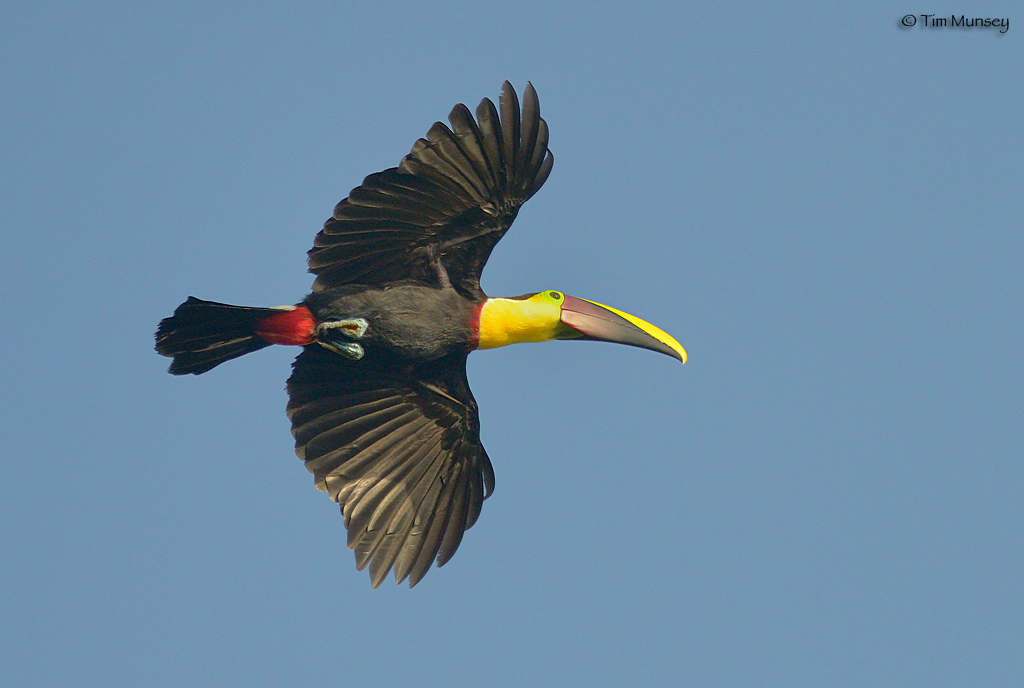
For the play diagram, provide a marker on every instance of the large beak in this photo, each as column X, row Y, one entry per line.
column 607, row 324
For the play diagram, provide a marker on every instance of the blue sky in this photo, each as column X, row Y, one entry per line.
column 823, row 207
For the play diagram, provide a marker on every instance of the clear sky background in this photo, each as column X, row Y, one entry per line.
column 823, row 207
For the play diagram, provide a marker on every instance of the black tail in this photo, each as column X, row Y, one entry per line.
column 203, row 334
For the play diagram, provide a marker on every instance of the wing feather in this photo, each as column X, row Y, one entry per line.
column 389, row 526
column 510, row 132
column 446, row 205
column 372, row 508
column 431, row 509
column 397, row 445
column 443, row 146
column 402, row 534
column 471, row 141
column 458, row 516
column 490, row 133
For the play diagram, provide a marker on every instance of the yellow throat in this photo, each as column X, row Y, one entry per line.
column 512, row 321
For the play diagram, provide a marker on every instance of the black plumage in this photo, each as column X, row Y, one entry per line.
column 203, row 334
column 405, row 319
column 390, row 430
column 435, row 218
column 395, row 438
column 397, row 445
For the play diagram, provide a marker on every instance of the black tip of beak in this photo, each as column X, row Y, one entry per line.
column 601, row 323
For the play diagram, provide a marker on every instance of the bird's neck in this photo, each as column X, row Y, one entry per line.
column 512, row 321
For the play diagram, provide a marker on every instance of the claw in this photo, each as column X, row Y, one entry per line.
column 349, row 350
column 353, row 328
column 326, row 335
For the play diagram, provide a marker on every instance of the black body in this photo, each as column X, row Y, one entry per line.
column 393, row 435
column 406, row 319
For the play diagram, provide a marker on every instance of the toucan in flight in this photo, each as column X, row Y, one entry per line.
column 379, row 402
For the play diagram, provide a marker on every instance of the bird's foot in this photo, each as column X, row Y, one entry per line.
column 353, row 328
column 349, row 350
column 332, row 334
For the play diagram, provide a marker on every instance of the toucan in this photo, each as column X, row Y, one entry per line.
column 379, row 402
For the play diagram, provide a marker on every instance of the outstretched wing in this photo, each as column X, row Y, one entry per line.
column 398, row 447
column 436, row 217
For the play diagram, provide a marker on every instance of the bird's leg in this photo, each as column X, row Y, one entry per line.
column 349, row 328
column 434, row 253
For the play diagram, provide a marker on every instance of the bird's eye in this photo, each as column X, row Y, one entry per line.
column 555, row 295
